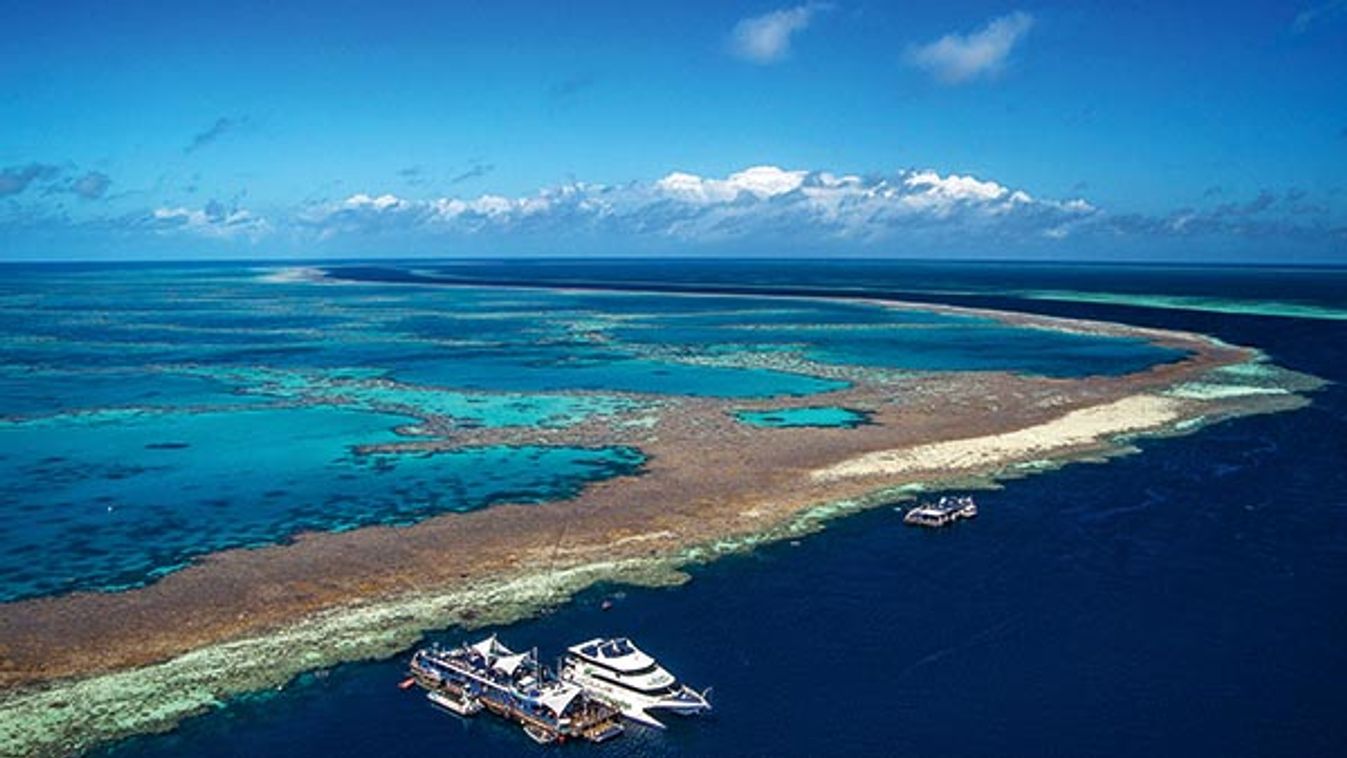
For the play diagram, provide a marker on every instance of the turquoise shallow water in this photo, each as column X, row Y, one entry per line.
column 366, row 390
column 815, row 416
column 27, row 392
column 152, row 413
column 116, row 498
column 550, row 369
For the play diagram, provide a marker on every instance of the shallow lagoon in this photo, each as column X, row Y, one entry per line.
column 550, row 370
column 116, row 498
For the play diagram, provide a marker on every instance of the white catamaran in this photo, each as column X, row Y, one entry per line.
column 617, row 672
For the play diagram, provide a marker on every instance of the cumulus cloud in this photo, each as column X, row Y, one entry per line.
column 758, row 203
column 759, row 182
column 794, row 210
column 214, row 220
column 15, row 179
column 214, row 132
column 956, row 58
column 767, row 38
column 760, row 209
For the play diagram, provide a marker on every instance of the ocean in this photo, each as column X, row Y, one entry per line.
column 158, row 413
column 1185, row 600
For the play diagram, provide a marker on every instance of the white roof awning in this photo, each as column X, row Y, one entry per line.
column 491, row 648
column 559, row 698
column 510, row 663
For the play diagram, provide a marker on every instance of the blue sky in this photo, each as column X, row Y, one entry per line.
column 1189, row 131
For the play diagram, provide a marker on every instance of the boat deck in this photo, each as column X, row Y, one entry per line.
column 943, row 512
column 586, row 719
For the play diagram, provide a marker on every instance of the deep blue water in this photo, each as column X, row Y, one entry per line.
column 1184, row 601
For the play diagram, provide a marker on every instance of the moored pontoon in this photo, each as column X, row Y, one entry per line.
column 943, row 512
column 515, row 686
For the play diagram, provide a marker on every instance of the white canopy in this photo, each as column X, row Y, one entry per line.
column 491, row 648
column 509, row 663
column 557, row 699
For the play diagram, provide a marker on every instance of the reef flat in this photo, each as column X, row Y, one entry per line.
column 80, row 669
column 1187, row 302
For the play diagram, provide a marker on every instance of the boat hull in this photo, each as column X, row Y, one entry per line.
column 457, row 706
column 635, row 706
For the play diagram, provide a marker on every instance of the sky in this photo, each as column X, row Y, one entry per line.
column 1189, row 131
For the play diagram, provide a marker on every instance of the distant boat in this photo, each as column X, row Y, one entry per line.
column 943, row 512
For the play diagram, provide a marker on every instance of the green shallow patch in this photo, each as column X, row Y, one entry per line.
column 1210, row 391
column 1253, row 378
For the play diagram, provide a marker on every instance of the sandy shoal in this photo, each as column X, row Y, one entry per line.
column 1078, row 428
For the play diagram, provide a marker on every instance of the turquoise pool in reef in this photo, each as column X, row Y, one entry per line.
column 114, row 498
column 815, row 415
column 153, row 413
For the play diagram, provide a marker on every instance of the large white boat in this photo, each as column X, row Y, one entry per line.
column 616, row 672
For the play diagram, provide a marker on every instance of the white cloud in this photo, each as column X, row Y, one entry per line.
column 755, row 204
column 766, row 38
column 382, row 202
column 760, row 210
column 953, row 187
column 956, row 58
column 758, row 181
column 214, row 220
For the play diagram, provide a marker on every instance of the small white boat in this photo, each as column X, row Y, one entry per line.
column 540, row 735
column 461, row 705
